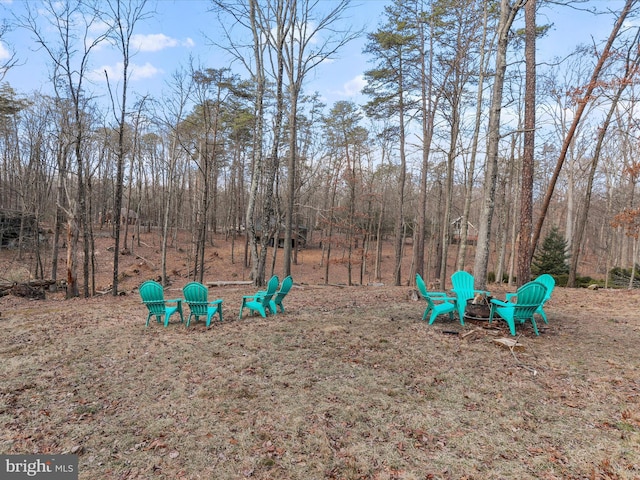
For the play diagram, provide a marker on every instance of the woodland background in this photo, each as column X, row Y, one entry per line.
column 446, row 161
column 467, row 148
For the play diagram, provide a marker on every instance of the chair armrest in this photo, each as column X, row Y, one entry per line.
column 437, row 294
column 509, row 296
column 443, row 298
column 500, row 303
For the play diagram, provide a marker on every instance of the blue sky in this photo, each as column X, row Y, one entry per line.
column 167, row 40
column 180, row 29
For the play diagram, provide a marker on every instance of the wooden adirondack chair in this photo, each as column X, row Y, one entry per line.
column 528, row 299
column 152, row 295
column 464, row 289
column 195, row 294
column 261, row 301
column 437, row 302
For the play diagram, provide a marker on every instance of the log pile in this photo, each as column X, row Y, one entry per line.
column 34, row 289
column 11, row 223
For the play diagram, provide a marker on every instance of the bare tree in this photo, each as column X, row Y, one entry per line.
column 428, row 108
column 582, row 104
column 262, row 56
column 345, row 139
column 123, row 15
column 10, row 60
column 526, row 196
column 475, row 140
column 459, row 36
column 508, row 11
column 312, row 38
column 73, row 23
column 632, row 66
column 393, row 46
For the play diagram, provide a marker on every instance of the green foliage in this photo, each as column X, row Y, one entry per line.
column 584, row 282
column 552, row 257
column 491, row 277
column 619, row 277
column 10, row 104
column 581, row 282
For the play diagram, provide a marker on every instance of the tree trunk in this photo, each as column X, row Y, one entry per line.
column 72, row 255
column 448, row 190
column 507, row 15
column 528, row 153
column 464, row 232
column 631, row 70
column 582, row 103
column 428, row 106
column 399, row 227
column 289, row 214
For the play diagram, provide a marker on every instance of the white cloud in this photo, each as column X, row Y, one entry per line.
column 140, row 72
column 154, row 42
column 115, row 72
column 5, row 54
column 97, row 75
column 353, row 87
column 98, row 27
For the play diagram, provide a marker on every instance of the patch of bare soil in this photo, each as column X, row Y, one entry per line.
column 348, row 383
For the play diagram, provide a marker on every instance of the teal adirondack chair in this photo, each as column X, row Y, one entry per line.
column 528, row 299
column 152, row 295
column 463, row 287
column 276, row 301
column 437, row 302
column 549, row 282
column 261, row 301
column 195, row 294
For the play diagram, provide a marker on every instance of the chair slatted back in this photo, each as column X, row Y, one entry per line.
column 196, row 296
column 530, row 297
column 152, row 295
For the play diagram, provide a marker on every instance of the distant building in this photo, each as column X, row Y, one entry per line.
column 298, row 236
column 456, row 227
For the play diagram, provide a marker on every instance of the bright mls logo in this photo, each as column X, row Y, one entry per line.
column 49, row 467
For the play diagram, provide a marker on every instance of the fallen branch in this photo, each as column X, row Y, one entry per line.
column 472, row 332
column 147, row 261
column 512, row 347
column 224, row 283
column 509, row 343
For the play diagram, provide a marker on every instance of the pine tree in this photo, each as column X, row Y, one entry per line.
column 552, row 257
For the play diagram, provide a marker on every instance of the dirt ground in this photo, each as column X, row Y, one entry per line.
column 348, row 383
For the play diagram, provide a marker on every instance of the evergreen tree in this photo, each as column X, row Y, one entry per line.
column 552, row 257
column 393, row 46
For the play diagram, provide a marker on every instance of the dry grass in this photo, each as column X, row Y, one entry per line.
column 349, row 383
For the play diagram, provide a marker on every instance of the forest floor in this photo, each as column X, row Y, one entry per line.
column 348, row 383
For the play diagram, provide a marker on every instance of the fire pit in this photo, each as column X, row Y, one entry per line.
column 478, row 308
